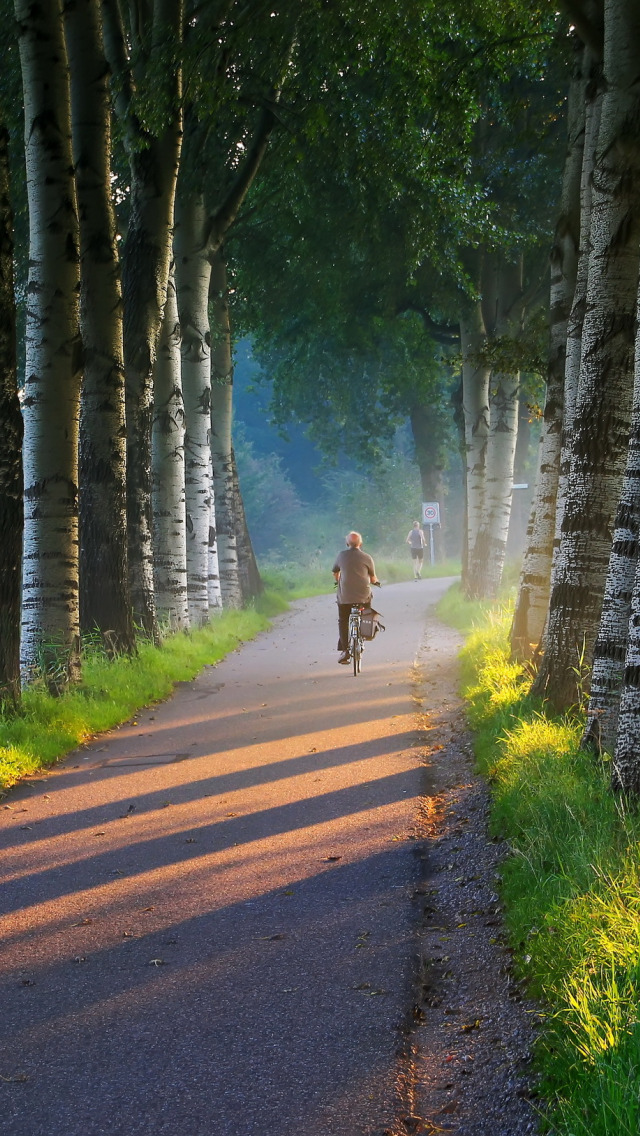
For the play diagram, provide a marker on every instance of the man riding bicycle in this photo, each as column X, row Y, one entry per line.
column 354, row 572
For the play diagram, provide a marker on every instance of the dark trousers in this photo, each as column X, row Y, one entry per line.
column 344, row 611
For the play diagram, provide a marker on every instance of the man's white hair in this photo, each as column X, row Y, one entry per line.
column 353, row 539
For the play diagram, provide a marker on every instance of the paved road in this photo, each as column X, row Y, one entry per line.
column 206, row 924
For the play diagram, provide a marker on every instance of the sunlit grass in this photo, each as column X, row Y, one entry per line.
column 571, row 886
column 112, row 690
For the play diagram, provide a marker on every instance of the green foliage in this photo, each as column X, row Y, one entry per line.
column 45, row 727
column 570, row 887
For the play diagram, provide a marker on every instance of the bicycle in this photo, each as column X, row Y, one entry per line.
column 356, row 640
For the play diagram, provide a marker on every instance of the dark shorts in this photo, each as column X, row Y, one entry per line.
column 417, row 553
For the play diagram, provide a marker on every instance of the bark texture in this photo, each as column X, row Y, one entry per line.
column 593, row 108
column 50, row 610
column 250, row 579
column 169, row 514
column 533, row 594
column 146, row 258
column 603, row 404
column 475, row 401
column 193, row 274
column 11, row 508
column 104, row 585
column 221, row 411
column 502, row 305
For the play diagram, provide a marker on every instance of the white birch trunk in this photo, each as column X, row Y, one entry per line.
column 503, row 297
column 613, row 635
column 221, row 416
column 533, row 594
column 487, row 560
column 250, row 580
column 626, row 762
column 104, row 585
column 169, row 513
column 152, row 40
column 475, row 403
column 214, row 589
column 593, row 110
column 50, row 623
column 11, row 429
column 603, row 404
column 193, row 273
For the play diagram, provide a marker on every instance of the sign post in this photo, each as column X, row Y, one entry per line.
column 431, row 517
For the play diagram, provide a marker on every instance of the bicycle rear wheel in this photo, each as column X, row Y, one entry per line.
column 357, row 654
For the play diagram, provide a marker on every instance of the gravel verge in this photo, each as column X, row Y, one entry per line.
column 466, row 1067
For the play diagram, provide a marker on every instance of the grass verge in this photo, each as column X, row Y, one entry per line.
column 571, row 886
column 45, row 728
column 297, row 581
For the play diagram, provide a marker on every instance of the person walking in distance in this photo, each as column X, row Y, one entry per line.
column 416, row 542
column 354, row 572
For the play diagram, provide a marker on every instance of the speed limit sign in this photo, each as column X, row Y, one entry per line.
column 430, row 513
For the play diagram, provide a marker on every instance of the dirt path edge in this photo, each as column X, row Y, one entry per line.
column 469, row 1034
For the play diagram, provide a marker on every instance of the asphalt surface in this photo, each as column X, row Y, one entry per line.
column 206, row 914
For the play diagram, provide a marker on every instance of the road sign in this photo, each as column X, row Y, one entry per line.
column 430, row 513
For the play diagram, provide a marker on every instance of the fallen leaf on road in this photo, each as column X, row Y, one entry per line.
column 231, row 814
column 80, row 958
column 99, row 834
column 26, row 982
column 273, row 938
column 152, row 908
column 468, row 1026
column 191, row 840
column 156, row 962
column 331, row 859
column 18, row 1078
column 130, row 810
column 289, row 892
column 82, row 923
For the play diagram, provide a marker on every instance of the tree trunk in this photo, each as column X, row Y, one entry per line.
column 169, row 514
column 487, row 558
column 613, row 636
column 146, row 261
column 603, row 405
column 215, row 592
column 11, row 509
column 250, row 579
column 533, row 594
column 573, row 351
column 221, row 411
column 104, row 584
column 193, row 273
column 51, row 628
column 475, row 401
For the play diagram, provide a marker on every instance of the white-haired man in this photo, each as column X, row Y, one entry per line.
column 354, row 573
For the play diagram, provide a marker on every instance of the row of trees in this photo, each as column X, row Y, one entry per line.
column 145, row 127
column 579, row 600
column 390, row 264
column 468, row 255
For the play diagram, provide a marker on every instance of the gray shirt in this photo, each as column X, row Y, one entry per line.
column 356, row 570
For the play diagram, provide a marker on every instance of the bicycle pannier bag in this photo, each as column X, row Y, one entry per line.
column 370, row 624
